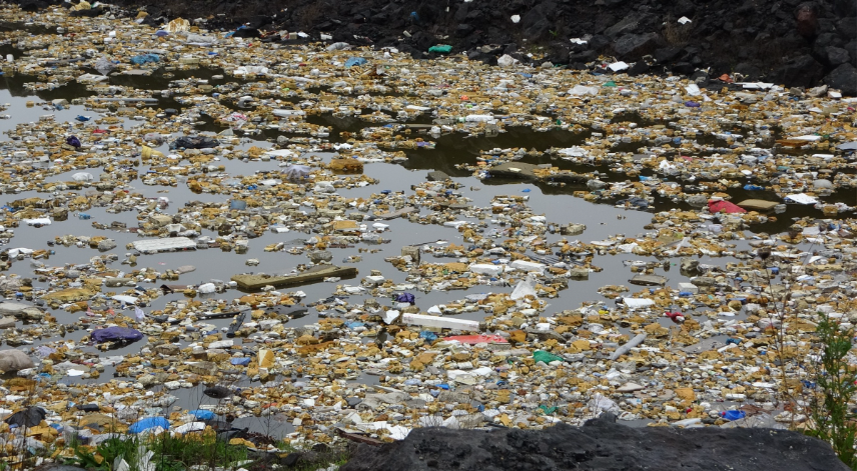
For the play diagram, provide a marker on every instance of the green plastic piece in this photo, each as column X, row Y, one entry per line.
column 541, row 355
column 441, row 48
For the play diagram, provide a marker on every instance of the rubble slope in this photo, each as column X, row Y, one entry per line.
column 600, row 445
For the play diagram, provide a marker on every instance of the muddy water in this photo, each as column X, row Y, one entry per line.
column 602, row 220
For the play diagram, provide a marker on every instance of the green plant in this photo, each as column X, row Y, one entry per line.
column 832, row 420
column 85, row 459
column 196, row 449
column 777, row 312
column 113, row 448
column 172, row 453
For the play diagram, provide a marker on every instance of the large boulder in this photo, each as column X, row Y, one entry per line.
column 801, row 71
column 843, row 78
column 599, row 445
column 634, row 46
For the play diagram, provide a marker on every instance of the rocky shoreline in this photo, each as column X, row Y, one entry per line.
column 791, row 43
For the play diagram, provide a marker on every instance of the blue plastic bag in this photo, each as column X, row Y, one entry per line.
column 243, row 361
column 149, row 423
column 73, row 141
column 145, row 59
column 405, row 298
column 733, row 414
column 202, row 414
column 355, row 61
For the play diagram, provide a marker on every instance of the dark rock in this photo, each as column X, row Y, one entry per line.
column 826, row 25
column 522, row 58
column 600, row 445
column 635, row 46
column 845, row 7
column 837, row 55
column 422, row 40
column 586, row 56
column 625, row 26
column 843, row 78
column 463, row 29
column 380, row 18
column 852, row 46
column 684, row 68
column 482, row 57
column 801, row 71
column 537, row 22
column 598, row 43
column 638, row 68
column 700, row 77
column 667, row 54
column 558, row 54
column 35, row 5
column 847, row 28
column 825, row 40
column 461, row 12
column 683, row 8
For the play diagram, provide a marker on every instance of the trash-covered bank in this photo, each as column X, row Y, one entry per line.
column 201, row 231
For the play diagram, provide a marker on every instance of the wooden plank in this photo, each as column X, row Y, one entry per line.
column 397, row 213
column 257, row 282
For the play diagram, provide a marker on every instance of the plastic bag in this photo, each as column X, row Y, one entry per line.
column 546, row 357
column 104, row 65
column 525, row 287
column 149, row 423
column 144, row 59
column 355, row 61
column 206, row 288
column 733, row 414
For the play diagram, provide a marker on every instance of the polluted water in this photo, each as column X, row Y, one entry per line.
column 301, row 240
